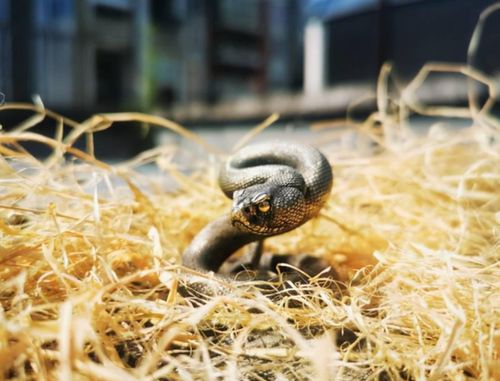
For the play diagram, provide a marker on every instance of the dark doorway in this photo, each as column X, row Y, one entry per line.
column 110, row 77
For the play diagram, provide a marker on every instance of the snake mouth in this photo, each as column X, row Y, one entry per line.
column 263, row 231
column 242, row 226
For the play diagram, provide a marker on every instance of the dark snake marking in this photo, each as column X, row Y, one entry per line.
column 275, row 187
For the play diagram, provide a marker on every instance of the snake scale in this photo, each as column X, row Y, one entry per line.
column 275, row 187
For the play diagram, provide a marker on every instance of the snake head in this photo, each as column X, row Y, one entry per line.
column 268, row 210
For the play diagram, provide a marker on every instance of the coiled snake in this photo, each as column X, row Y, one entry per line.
column 275, row 187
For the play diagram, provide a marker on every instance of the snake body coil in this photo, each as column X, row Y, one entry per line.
column 275, row 188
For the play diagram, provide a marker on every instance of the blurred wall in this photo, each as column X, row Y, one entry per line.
column 409, row 33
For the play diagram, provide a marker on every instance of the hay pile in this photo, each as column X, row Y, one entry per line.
column 89, row 263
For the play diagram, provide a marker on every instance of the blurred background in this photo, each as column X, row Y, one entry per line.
column 208, row 63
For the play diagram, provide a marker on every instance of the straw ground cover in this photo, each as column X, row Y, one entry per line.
column 90, row 276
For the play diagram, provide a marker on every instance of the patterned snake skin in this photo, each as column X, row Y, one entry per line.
column 275, row 187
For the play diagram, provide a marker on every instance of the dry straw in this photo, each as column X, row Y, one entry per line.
column 89, row 257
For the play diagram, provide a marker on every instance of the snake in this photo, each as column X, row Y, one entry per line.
column 275, row 187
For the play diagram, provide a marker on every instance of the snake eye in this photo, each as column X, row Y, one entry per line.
column 264, row 206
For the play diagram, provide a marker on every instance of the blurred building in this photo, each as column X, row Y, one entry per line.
column 78, row 55
column 362, row 34
column 198, row 60
column 128, row 54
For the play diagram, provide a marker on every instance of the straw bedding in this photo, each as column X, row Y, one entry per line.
column 90, row 273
